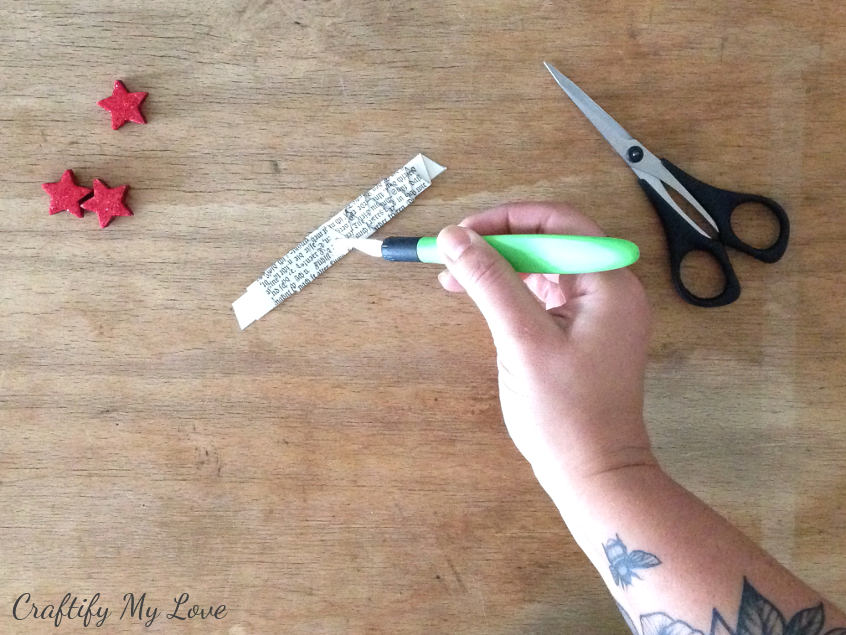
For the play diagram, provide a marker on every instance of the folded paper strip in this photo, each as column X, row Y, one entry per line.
column 319, row 251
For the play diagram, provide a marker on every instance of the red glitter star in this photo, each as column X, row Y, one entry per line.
column 107, row 202
column 65, row 194
column 123, row 105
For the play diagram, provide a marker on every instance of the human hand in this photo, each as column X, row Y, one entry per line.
column 571, row 349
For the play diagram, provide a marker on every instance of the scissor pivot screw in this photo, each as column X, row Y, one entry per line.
column 635, row 154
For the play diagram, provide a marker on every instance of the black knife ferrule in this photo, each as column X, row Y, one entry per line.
column 400, row 249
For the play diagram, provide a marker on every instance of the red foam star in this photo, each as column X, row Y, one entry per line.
column 107, row 202
column 65, row 194
column 123, row 105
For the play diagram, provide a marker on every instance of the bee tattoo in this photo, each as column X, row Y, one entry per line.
column 624, row 563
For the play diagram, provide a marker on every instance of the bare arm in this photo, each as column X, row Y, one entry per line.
column 676, row 566
column 571, row 354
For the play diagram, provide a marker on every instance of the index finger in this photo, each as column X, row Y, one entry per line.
column 532, row 218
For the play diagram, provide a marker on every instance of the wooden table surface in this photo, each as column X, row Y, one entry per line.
column 341, row 466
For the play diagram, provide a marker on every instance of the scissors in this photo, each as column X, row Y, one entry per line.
column 714, row 204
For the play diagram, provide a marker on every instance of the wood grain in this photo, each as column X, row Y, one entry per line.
column 341, row 465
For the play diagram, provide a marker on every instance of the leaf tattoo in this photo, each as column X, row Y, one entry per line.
column 623, row 563
column 806, row 621
column 756, row 616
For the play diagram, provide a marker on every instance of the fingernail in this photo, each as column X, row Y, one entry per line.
column 442, row 277
column 453, row 240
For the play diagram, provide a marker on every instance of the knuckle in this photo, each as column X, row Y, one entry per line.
column 528, row 340
column 637, row 294
column 483, row 271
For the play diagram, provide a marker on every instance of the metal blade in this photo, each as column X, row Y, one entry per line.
column 613, row 132
column 645, row 165
column 369, row 246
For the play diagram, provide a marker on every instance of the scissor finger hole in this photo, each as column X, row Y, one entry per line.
column 701, row 274
column 755, row 224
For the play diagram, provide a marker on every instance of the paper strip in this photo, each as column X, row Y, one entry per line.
column 317, row 252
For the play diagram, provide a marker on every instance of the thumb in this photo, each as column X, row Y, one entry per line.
column 509, row 308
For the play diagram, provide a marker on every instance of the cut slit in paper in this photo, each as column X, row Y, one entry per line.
column 318, row 251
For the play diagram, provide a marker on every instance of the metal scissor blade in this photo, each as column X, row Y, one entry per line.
column 613, row 132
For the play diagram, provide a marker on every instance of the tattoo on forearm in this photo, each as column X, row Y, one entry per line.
column 623, row 562
column 756, row 616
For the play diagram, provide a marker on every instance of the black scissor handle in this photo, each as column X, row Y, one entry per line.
column 683, row 239
column 720, row 204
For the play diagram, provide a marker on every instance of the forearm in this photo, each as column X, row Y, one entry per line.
column 704, row 560
column 571, row 388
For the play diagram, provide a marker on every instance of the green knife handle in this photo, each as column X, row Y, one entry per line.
column 550, row 253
